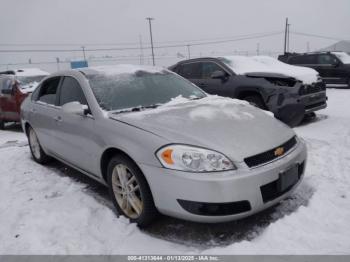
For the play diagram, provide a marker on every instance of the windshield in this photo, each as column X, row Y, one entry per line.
column 29, row 81
column 142, row 89
column 344, row 57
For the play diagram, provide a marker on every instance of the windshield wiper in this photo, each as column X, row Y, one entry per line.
column 196, row 98
column 135, row 109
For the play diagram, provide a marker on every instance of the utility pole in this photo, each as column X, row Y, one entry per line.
column 150, row 32
column 288, row 30
column 258, row 49
column 83, row 47
column 141, row 50
column 189, row 51
column 285, row 36
column 58, row 63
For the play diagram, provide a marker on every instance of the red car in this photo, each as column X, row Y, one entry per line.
column 15, row 85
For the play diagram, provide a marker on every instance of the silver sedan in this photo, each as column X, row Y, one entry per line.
column 161, row 144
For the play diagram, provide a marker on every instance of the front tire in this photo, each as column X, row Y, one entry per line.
column 2, row 125
column 38, row 153
column 130, row 192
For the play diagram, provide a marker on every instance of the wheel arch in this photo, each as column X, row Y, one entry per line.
column 250, row 92
column 107, row 155
column 26, row 127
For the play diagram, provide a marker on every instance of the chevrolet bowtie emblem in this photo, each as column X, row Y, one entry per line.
column 279, row 151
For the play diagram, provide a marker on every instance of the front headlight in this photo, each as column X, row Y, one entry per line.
column 195, row 159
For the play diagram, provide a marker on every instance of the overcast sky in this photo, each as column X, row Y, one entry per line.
column 90, row 22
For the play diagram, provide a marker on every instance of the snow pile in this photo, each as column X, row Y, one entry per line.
column 343, row 56
column 264, row 64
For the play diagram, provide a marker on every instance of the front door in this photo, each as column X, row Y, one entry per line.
column 74, row 135
column 215, row 86
column 43, row 111
column 330, row 70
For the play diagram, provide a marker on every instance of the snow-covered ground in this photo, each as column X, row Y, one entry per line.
column 56, row 210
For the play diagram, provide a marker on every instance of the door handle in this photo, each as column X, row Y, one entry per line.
column 58, row 119
column 201, row 84
column 33, row 110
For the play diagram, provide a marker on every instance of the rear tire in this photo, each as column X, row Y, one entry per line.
column 38, row 153
column 255, row 101
column 130, row 192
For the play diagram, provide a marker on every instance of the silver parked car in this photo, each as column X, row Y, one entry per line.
column 162, row 144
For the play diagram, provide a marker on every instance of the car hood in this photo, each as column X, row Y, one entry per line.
column 266, row 65
column 230, row 126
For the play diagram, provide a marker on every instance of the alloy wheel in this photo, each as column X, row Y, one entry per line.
column 127, row 191
column 34, row 144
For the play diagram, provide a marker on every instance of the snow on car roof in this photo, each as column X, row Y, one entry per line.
column 30, row 72
column 121, row 69
column 265, row 64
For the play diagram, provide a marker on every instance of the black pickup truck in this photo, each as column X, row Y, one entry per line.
column 333, row 67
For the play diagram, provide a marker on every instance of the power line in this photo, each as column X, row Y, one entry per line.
column 318, row 36
column 137, row 48
column 127, row 44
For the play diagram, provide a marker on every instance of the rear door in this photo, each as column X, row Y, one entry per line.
column 330, row 69
column 43, row 112
column 75, row 134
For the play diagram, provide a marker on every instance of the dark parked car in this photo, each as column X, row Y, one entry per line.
column 15, row 85
column 262, row 85
column 333, row 67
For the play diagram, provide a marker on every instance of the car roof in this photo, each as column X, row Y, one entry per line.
column 198, row 59
column 119, row 69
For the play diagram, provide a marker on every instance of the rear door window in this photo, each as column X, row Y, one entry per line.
column 303, row 60
column 6, row 83
column 71, row 91
column 48, row 91
column 190, row 70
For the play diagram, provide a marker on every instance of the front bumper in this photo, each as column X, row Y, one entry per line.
column 290, row 107
column 314, row 101
column 241, row 186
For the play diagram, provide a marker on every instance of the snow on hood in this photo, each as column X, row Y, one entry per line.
column 265, row 64
column 343, row 56
column 208, row 107
column 29, row 88
column 31, row 72
column 222, row 124
column 29, row 78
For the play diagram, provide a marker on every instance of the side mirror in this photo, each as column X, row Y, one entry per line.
column 218, row 74
column 335, row 63
column 7, row 91
column 75, row 108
